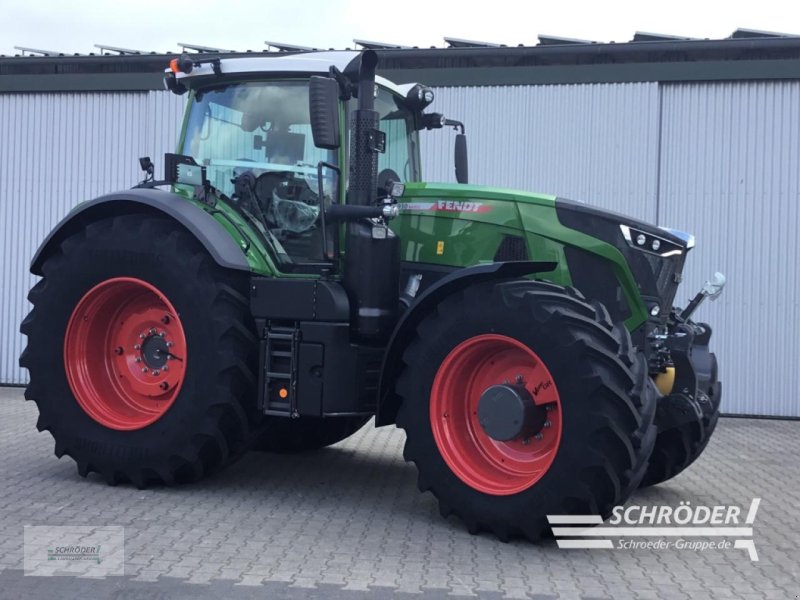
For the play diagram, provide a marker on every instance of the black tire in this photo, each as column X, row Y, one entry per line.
column 607, row 399
column 210, row 421
column 292, row 436
column 678, row 447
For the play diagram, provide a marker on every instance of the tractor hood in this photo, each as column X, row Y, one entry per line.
column 467, row 224
column 496, row 205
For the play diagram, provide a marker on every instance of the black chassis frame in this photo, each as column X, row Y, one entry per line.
column 695, row 371
column 332, row 373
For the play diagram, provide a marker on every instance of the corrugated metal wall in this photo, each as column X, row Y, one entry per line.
column 730, row 172
column 595, row 142
column 56, row 150
column 719, row 160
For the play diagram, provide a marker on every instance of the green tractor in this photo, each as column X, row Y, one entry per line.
column 298, row 278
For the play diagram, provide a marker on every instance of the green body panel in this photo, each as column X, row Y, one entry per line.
column 243, row 233
column 462, row 225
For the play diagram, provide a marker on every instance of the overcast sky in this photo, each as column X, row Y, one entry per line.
column 75, row 26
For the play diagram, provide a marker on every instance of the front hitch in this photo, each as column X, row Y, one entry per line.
column 694, row 389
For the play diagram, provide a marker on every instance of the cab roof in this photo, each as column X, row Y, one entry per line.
column 308, row 63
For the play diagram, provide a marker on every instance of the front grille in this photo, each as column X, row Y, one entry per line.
column 656, row 276
column 667, row 273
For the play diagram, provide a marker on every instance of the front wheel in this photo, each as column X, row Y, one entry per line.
column 521, row 400
column 140, row 353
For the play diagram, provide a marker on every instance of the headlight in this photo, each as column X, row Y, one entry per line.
column 648, row 242
column 419, row 97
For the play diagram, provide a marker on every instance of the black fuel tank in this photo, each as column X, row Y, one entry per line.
column 372, row 278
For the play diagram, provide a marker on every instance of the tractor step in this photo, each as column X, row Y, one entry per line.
column 279, row 362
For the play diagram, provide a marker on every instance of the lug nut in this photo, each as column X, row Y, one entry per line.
column 538, row 436
column 156, row 372
column 548, row 424
column 169, row 344
column 137, row 346
column 144, row 369
column 165, row 368
column 162, row 334
column 141, row 336
column 138, row 359
column 519, row 380
column 152, row 331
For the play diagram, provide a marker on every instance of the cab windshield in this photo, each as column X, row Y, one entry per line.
column 263, row 128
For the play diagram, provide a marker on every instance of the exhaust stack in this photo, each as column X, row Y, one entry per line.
column 365, row 136
column 372, row 256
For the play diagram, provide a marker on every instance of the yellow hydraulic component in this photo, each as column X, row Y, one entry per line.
column 665, row 381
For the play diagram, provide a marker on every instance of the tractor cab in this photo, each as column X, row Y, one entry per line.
column 249, row 125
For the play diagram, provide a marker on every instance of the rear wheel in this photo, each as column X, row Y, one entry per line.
column 521, row 400
column 292, row 436
column 140, row 353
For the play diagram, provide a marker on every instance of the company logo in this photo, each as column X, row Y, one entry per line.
column 79, row 550
column 661, row 528
column 74, row 553
column 447, row 206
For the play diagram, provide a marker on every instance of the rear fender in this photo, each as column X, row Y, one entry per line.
column 388, row 401
column 213, row 236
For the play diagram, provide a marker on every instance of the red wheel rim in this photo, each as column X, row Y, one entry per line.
column 487, row 465
column 125, row 353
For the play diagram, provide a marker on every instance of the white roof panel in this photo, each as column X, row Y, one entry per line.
column 311, row 63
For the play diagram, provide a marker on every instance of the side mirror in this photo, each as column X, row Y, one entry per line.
column 713, row 288
column 462, row 164
column 323, row 105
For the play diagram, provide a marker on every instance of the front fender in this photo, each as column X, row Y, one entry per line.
column 213, row 236
column 388, row 402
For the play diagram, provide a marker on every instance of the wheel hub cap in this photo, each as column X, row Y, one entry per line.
column 155, row 351
column 508, row 412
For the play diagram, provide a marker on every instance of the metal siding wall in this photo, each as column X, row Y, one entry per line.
column 592, row 142
column 729, row 173
column 55, row 151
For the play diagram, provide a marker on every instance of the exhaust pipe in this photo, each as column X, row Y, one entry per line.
column 372, row 250
column 364, row 158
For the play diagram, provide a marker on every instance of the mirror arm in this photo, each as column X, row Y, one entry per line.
column 454, row 124
column 345, row 85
